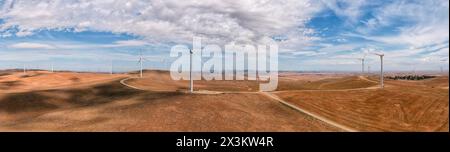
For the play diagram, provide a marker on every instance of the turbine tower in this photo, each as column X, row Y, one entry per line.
column 141, row 60
column 52, row 67
column 24, row 69
column 442, row 68
column 381, row 71
column 111, row 69
column 191, row 84
column 362, row 64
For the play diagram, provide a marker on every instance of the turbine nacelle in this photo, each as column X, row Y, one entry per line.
column 379, row 54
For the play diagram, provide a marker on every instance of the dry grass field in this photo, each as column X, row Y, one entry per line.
column 68, row 101
column 108, row 105
column 401, row 106
column 161, row 81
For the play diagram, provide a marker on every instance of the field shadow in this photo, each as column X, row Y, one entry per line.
column 47, row 100
column 31, row 75
column 50, row 99
column 100, row 94
column 9, row 84
column 75, row 79
column 23, row 102
column 4, row 73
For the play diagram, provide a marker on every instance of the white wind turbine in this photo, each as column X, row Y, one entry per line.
column 191, row 84
column 362, row 63
column 52, row 67
column 141, row 60
column 381, row 55
column 443, row 61
column 111, row 68
column 362, row 59
column 24, row 69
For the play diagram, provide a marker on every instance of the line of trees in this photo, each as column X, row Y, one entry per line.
column 411, row 77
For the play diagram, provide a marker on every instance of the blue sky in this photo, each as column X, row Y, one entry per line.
column 328, row 35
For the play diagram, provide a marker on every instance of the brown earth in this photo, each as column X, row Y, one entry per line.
column 401, row 106
column 161, row 81
column 67, row 101
column 327, row 83
column 41, row 80
column 107, row 105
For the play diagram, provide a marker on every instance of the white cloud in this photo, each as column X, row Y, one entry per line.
column 66, row 45
column 218, row 21
column 349, row 9
column 415, row 23
column 308, row 53
column 422, row 24
column 27, row 45
column 125, row 43
column 410, row 32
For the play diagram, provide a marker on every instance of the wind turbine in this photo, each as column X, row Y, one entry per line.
column 52, row 67
column 24, row 69
column 362, row 61
column 111, row 69
column 191, row 84
column 141, row 60
column 381, row 71
column 442, row 68
column 362, row 64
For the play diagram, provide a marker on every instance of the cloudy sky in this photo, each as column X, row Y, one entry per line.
column 327, row 35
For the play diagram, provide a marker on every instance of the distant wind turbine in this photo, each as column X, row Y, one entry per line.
column 190, row 72
column 111, row 69
column 24, row 69
column 381, row 55
column 141, row 60
column 362, row 64
column 442, row 68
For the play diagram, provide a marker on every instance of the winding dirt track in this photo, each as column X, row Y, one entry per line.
column 323, row 119
column 130, row 86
